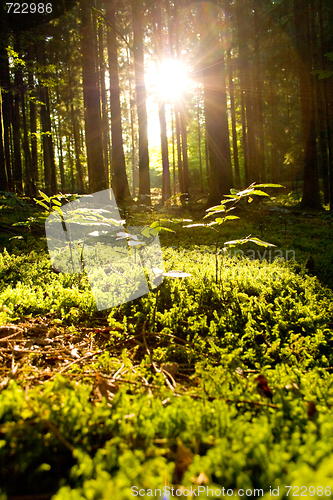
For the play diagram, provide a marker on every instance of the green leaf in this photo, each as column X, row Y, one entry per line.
column 269, row 185
column 43, row 195
column 259, row 193
column 42, row 204
column 261, row 243
column 230, row 217
column 213, row 213
column 56, row 202
column 236, row 242
column 234, row 191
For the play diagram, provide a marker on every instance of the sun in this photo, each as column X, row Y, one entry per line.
column 171, row 79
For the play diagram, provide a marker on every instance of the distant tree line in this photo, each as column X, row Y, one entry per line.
column 73, row 113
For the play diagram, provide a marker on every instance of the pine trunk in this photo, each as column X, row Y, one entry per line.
column 144, row 175
column 91, row 95
column 119, row 180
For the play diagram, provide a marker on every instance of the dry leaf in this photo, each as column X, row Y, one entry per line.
column 263, row 388
column 171, row 368
column 312, row 410
column 183, row 460
column 106, row 387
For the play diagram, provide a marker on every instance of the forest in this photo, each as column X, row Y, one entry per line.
column 166, row 258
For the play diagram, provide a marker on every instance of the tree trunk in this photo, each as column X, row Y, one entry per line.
column 16, row 131
column 105, row 117
column 166, row 188
column 3, row 173
column 186, row 181
column 30, row 188
column 144, row 175
column 179, row 153
column 199, row 148
column 272, row 131
column 311, row 194
column 93, row 122
column 119, row 181
column 78, row 164
column 324, row 102
column 70, row 161
column 212, row 69
column 233, row 122
column 259, row 108
column 6, row 97
column 243, row 78
column 48, row 152
column 31, row 55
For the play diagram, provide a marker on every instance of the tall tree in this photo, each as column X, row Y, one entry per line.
column 3, row 173
column 30, row 57
column 166, row 188
column 48, row 151
column 311, row 194
column 213, row 77
column 119, row 177
column 144, row 175
column 91, row 94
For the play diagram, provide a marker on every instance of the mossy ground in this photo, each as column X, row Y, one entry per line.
column 93, row 403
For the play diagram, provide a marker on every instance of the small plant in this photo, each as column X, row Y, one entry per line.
column 233, row 198
column 50, row 203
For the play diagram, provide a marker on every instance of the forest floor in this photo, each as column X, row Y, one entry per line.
column 202, row 383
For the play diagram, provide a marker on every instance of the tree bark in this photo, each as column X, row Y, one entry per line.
column 311, row 193
column 215, row 105
column 259, row 108
column 6, row 97
column 30, row 188
column 144, row 175
column 3, row 173
column 48, row 152
column 105, row 117
column 93, row 122
column 243, row 78
column 31, row 56
column 166, row 188
column 119, row 180
column 233, row 121
column 77, row 147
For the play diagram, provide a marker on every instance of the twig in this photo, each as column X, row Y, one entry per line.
column 74, row 362
column 12, row 335
column 157, row 370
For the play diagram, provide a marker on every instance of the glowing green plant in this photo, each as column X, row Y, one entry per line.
column 224, row 210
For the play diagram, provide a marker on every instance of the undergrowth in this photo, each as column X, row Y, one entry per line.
column 215, row 428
